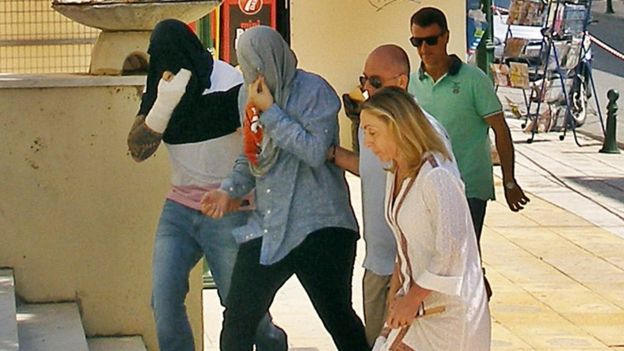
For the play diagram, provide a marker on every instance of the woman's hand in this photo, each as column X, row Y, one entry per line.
column 402, row 312
column 260, row 95
column 403, row 309
column 216, row 203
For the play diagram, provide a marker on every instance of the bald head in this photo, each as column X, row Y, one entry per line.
column 393, row 57
column 390, row 65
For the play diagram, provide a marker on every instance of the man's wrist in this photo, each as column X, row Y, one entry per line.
column 331, row 153
column 509, row 184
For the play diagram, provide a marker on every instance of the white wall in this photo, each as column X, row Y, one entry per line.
column 333, row 38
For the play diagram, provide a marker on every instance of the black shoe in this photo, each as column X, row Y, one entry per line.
column 274, row 339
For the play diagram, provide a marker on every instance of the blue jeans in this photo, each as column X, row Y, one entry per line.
column 183, row 236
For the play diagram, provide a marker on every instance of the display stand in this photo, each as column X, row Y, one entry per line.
column 566, row 72
column 519, row 63
column 558, row 68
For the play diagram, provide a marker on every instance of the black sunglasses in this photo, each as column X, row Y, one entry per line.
column 374, row 81
column 431, row 41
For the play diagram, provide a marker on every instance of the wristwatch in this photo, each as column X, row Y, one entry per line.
column 510, row 185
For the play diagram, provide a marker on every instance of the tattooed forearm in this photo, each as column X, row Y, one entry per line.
column 142, row 141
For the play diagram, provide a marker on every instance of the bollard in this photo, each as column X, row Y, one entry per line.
column 610, row 7
column 610, row 145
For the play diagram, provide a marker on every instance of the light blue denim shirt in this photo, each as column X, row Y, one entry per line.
column 381, row 246
column 302, row 192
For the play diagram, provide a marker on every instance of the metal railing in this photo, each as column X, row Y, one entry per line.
column 36, row 39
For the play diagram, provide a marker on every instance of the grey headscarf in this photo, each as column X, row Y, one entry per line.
column 262, row 51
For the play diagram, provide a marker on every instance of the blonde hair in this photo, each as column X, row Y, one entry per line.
column 410, row 128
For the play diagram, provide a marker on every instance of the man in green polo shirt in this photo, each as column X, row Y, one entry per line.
column 463, row 99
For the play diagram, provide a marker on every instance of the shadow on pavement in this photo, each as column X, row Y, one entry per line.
column 611, row 187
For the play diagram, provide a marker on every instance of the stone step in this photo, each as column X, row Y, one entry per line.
column 8, row 324
column 123, row 343
column 50, row 327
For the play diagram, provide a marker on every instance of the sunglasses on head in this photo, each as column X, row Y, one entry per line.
column 431, row 41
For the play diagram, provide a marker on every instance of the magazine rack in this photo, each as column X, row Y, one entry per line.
column 518, row 66
column 567, row 75
column 560, row 76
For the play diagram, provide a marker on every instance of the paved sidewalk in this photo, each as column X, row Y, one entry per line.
column 578, row 179
column 557, row 268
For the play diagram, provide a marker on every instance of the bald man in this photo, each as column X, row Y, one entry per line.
column 387, row 65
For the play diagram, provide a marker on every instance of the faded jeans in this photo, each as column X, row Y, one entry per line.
column 183, row 236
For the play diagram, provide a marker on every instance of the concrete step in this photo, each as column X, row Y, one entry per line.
column 8, row 324
column 50, row 327
column 124, row 343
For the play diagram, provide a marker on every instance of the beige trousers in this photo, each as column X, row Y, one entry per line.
column 375, row 292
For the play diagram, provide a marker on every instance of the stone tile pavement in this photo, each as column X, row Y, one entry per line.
column 557, row 268
column 579, row 179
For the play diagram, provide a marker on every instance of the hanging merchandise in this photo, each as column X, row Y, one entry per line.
column 574, row 19
column 519, row 75
column 567, row 82
column 526, row 13
column 519, row 50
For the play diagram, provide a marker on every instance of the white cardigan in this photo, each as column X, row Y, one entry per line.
column 442, row 255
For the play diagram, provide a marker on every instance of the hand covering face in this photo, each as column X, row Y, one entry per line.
column 261, row 51
column 173, row 46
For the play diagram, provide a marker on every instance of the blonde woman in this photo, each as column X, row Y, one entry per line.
column 439, row 300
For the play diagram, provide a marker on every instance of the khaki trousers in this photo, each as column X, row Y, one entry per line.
column 375, row 292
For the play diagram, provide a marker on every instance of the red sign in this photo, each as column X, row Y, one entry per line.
column 237, row 18
column 250, row 7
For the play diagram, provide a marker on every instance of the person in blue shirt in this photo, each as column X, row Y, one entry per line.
column 303, row 223
column 386, row 66
column 193, row 110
